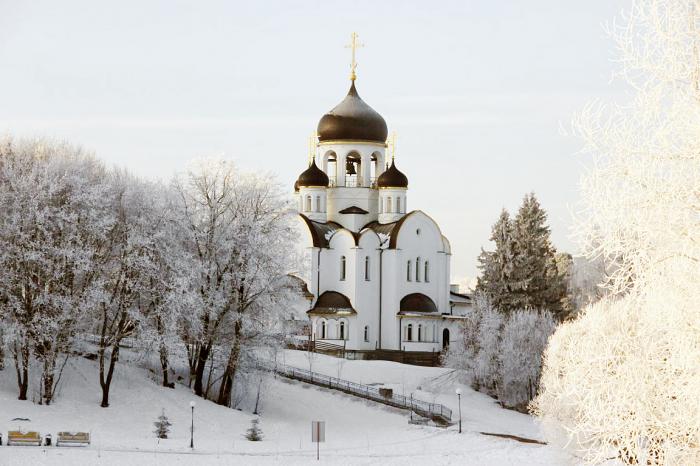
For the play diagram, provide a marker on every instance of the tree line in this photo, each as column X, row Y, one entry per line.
column 197, row 266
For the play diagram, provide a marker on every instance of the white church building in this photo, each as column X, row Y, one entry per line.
column 379, row 273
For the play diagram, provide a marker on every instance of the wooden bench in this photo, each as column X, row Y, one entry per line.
column 73, row 438
column 15, row 437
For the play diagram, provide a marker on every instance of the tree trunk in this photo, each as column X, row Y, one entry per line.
column 164, row 364
column 202, row 357
column 21, row 355
column 226, row 387
column 106, row 382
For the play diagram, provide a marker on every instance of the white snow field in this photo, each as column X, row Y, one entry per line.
column 358, row 432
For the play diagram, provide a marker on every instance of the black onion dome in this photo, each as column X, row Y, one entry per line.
column 296, row 186
column 352, row 119
column 313, row 176
column 392, row 178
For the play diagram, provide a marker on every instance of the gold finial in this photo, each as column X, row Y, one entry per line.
column 354, row 45
column 312, row 147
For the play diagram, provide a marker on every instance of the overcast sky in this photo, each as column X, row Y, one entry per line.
column 477, row 91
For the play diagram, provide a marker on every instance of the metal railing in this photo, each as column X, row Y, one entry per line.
column 434, row 411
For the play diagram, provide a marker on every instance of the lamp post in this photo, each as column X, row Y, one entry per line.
column 192, row 426
column 459, row 401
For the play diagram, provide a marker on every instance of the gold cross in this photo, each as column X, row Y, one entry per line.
column 354, row 45
column 391, row 143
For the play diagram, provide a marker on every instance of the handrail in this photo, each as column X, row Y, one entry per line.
column 423, row 408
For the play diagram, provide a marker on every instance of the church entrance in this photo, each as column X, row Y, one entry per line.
column 445, row 339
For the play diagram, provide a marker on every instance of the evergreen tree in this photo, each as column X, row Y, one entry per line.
column 538, row 282
column 496, row 266
column 254, row 434
column 162, row 426
column 524, row 271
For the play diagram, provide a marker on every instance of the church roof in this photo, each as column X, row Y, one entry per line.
column 332, row 302
column 321, row 232
column 312, row 176
column 392, row 178
column 353, row 210
column 352, row 119
column 417, row 303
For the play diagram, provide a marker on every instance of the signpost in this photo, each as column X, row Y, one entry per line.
column 318, row 434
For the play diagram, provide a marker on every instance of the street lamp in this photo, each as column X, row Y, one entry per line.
column 459, row 401
column 192, row 427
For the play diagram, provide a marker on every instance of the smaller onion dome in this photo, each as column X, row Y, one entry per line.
column 392, row 178
column 313, row 176
column 296, row 186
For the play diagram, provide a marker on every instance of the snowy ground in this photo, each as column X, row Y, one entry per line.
column 358, row 432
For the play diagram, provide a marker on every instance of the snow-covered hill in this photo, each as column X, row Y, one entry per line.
column 357, row 431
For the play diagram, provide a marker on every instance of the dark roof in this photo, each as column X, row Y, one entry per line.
column 354, row 210
column 299, row 285
column 313, row 176
column 321, row 232
column 417, row 302
column 332, row 302
column 388, row 229
column 392, row 178
column 352, row 119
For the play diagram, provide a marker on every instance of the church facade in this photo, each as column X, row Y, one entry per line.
column 379, row 273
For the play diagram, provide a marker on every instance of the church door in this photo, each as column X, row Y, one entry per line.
column 445, row 338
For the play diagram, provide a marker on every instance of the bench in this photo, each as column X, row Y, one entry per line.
column 73, row 438
column 15, row 437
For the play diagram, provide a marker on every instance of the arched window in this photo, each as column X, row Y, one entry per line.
column 342, row 267
column 341, row 333
column 420, row 332
column 409, row 332
column 308, row 204
column 408, row 271
column 323, row 330
column 367, row 268
column 417, row 269
column 398, row 205
column 426, row 272
column 318, row 203
column 366, row 332
column 388, row 205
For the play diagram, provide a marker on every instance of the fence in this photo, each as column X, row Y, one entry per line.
column 434, row 411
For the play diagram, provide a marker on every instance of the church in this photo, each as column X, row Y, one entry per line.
column 379, row 273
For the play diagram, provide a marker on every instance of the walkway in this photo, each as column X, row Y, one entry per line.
column 435, row 411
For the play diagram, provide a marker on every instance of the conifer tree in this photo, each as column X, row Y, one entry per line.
column 162, row 426
column 538, row 281
column 524, row 271
column 496, row 266
column 254, row 434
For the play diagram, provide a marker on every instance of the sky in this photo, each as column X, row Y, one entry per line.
column 481, row 94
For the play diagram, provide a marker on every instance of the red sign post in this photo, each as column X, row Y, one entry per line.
column 318, row 434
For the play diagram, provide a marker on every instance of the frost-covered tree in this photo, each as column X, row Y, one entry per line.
column 52, row 224
column 521, row 345
column 237, row 227
column 501, row 353
column 129, row 269
column 622, row 380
